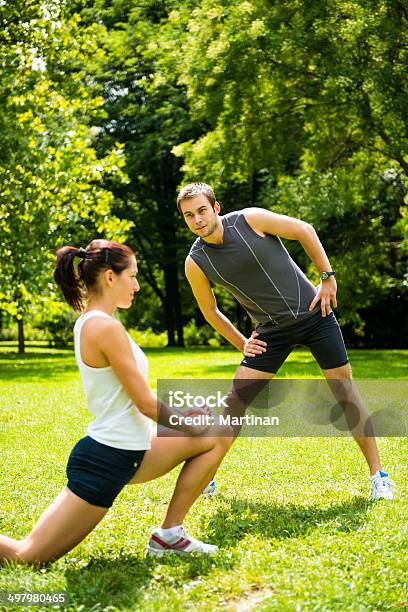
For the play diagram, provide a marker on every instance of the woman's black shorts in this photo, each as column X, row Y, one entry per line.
column 321, row 335
column 97, row 473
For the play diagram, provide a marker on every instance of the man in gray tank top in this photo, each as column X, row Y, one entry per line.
column 243, row 252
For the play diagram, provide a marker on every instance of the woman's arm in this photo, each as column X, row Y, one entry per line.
column 113, row 342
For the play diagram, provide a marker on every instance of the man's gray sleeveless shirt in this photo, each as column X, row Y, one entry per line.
column 258, row 271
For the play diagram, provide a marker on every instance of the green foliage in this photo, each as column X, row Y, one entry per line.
column 148, row 115
column 107, row 107
column 197, row 336
column 280, row 85
column 359, row 223
column 59, row 328
column 8, row 333
column 147, row 338
column 50, row 174
column 306, row 113
column 32, row 334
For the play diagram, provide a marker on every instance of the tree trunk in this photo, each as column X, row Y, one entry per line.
column 174, row 315
column 169, row 307
column 174, row 320
column 168, row 314
column 179, row 319
column 21, row 342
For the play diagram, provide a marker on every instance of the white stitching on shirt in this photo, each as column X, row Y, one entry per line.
column 263, row 269
column 195, row 248
column 296, row 274
column 239, row 290
column 233, row 225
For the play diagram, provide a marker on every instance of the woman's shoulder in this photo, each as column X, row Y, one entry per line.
column 98, row 325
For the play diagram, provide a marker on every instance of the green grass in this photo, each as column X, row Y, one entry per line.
column 292, row 520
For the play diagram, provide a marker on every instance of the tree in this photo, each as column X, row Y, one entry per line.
column 306, row 108
column 50, row 174
column 148, row 116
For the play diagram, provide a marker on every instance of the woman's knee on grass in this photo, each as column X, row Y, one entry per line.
column 30, row 554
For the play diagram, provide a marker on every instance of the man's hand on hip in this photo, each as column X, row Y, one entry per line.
column 253, row 346
column 326, row 292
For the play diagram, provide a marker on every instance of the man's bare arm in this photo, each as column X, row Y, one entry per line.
column 268, row 222
column 207, row 303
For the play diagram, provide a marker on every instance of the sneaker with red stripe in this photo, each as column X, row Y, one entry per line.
column 180, row 544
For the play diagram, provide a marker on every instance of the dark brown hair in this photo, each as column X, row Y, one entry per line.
column 98, row 256
column 194, row 189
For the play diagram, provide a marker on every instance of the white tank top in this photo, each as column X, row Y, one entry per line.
column 118, row 421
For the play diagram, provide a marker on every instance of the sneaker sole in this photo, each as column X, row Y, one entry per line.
column 154, row 552
column 381, row 497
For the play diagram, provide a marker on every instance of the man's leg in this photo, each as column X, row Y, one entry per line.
column 244, row 373
column 323, row 337
column 356, row 412
column 246, row 386
column 343, row 390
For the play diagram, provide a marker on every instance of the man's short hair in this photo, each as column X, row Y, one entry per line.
column 194, row 189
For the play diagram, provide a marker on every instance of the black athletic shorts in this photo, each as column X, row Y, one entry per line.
column 321, row 335
column 97, row 473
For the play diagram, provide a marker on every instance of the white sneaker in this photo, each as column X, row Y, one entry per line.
column 211, row 489
column 381, row 486
column 180, row 544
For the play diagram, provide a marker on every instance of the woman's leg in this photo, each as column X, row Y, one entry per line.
column 60, row 528
column 202, row 456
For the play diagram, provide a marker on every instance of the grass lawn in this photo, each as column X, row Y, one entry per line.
column 292, row 520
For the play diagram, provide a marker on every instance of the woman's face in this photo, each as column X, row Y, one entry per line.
column 125, row 285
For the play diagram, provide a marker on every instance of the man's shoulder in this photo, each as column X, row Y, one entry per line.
column 196, row 246
column 230, row 218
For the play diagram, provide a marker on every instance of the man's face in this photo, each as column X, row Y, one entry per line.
column 200, row 216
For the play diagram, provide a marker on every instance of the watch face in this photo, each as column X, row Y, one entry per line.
column 324, row 275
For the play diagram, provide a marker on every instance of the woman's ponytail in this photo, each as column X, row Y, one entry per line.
column 68, row 278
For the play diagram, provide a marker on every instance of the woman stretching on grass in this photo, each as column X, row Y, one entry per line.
column 119, row 448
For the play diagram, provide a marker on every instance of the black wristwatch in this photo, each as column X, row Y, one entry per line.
column 325, row 275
